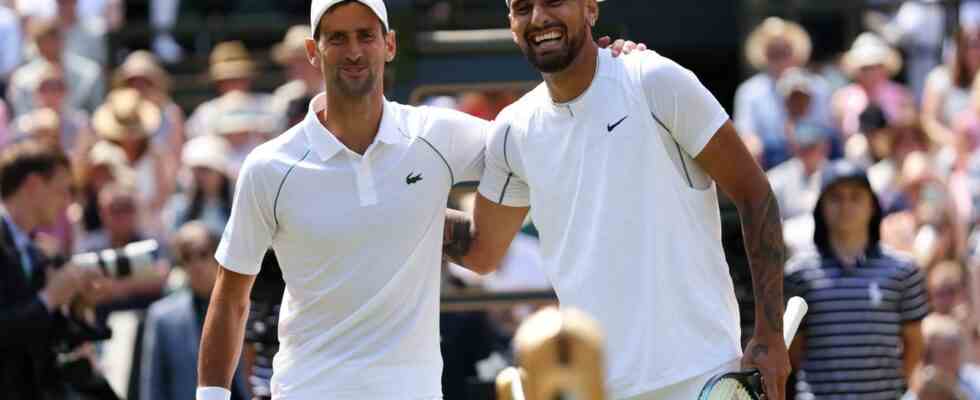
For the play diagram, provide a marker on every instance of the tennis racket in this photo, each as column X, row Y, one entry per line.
column 747, row 385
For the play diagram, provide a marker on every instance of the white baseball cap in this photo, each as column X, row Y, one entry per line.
column 320, row 7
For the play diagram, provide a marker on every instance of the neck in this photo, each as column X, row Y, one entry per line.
column 849, row 246
column 19, row 212
column 119, row 239
column 353, row 120
column 570, row 83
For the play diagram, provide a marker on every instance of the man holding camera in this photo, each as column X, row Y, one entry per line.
column 35, row 188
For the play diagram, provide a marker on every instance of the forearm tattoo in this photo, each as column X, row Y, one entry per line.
column 763, row 233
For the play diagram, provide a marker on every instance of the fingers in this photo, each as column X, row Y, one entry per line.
column 775, row 384
column 603, row 42
column 617, row 47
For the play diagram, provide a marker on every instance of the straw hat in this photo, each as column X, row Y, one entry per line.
column 239, row 112
column 208, row 151
column 777, row 28
column 293, row 45
column 231, row 60
column 142, row 64
column 869, row 49
column 126, row 113
column 39, row 121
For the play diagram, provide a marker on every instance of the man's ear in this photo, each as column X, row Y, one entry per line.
column 592, row 12
column 312, row 55
column 391, row 46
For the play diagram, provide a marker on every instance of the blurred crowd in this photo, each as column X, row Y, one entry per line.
column 903, row 103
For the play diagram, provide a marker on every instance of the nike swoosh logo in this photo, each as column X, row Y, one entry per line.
column 613, row 126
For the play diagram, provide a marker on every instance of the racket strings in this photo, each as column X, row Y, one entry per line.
column 729, row 389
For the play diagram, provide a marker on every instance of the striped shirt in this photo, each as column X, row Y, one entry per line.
column 853, row 330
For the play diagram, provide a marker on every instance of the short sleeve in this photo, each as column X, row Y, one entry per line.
column 503, row 179
column 914, row 305
column 681, row 103
column 467, row 138
column 251, row 225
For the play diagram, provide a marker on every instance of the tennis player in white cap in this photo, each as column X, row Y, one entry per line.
column 352, row 200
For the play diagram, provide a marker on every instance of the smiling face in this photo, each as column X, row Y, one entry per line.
column 351, row 49
column 552, row 33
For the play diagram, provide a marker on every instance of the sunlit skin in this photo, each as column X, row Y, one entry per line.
column 350, row 50
column 850, row 206
column 556, row 37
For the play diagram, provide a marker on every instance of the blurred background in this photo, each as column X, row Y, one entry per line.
column 158, row 102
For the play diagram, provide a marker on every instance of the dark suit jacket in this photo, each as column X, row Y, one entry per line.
column 27, row 361
column 171, row 342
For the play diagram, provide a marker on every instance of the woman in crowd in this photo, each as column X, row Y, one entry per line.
column 142, row 72
column 773, row 48
column 871, row 64
column 129, row 120
column 948, row 87
column 208, row 195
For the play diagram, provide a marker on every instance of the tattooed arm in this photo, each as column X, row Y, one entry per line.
column 731, row 165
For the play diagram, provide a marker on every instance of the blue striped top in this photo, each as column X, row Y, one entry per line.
column 853, row 329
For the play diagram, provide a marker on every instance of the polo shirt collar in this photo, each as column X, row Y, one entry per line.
column 326, row 145
column 580, row 105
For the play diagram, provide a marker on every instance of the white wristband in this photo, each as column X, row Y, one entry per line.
column 213, row 393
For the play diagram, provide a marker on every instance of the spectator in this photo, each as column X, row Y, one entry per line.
column 761, row 116
column 945, row 348
column 105, row 163
column 232, row 70
column 83, row 77
column 128, row 120
column 209, row 193
column 923, row 221
column 948, row 87
column 918, row 29
column 867, row 344
column 304, row 80
column 35, row 185
column 11, row 44
column 50, row 92
column 84, row 37
column 242, row 124
column 141, row 71
column 796, row 182
column 174, row 323
column 932, row 384
column 870, row 63
column 948, row 295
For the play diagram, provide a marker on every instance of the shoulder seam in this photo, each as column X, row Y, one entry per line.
column 275, row 203
column 452, row 177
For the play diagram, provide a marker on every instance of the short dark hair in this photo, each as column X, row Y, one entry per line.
column 316, row 29
column 22, row 158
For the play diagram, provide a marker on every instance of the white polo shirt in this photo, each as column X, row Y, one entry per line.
column 359, row 241
column 630, row 226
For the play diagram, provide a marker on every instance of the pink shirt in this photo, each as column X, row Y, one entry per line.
column 852, row 99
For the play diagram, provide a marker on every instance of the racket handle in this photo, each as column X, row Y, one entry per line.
column 795, row 310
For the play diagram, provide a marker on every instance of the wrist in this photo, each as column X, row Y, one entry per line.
column 213, row 393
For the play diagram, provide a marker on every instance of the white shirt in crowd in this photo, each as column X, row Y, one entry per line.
column 629, row 226
column 359, row 241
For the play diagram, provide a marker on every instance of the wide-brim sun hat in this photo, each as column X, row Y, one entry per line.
column 231, row 60
column 777, row 28
column 869, row 49
column 143, row 64
column 207, row 151
column 292, row 46
column 126, row 114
